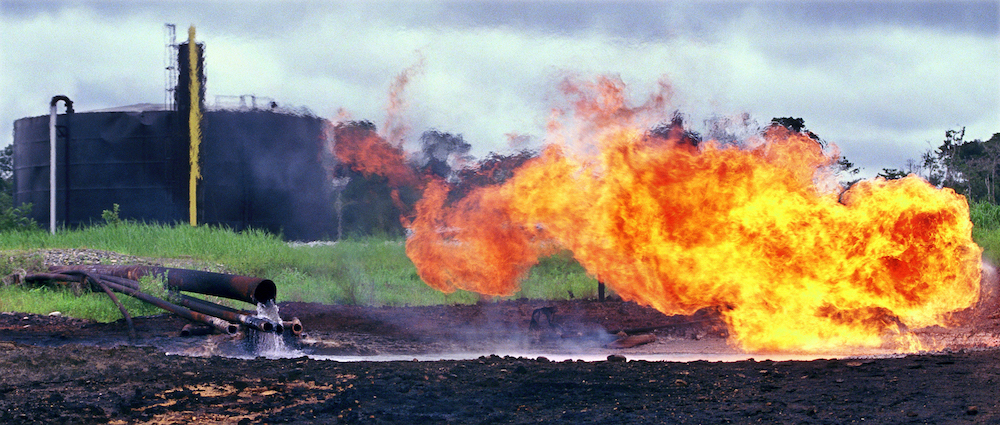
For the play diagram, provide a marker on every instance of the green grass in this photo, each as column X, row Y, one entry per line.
column 76, row 303
column 250, row 252
column 986, row 229
column 360, row 272
column 367, row 271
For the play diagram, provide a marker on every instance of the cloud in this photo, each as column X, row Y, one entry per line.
column 880, row 79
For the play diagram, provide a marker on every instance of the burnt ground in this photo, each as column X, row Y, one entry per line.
column 62, row 370
column 483, row 363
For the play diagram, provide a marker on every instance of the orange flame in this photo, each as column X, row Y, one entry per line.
column 366, row 152
column 679, row 227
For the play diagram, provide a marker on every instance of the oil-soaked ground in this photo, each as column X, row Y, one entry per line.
column 60, row 370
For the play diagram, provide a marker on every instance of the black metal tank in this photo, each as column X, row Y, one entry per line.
column 260, row 169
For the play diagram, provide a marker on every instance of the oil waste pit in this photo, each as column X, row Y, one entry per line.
column 67, row 379
column 558, row 330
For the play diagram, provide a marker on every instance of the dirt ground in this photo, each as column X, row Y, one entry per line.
column 508, row 362
column 498, row 368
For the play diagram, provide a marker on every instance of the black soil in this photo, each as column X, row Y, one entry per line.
column 61, row 370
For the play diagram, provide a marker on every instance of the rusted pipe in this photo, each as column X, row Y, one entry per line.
column 128, row 283
column 128, row 317
column 129, row 287
column 216, row 305
column 96, row 282
column 222, row 325
column 630, row 341
column 232, row 315
column 253, row 290
column 50, row 277
column 295, row 325
column 192, row 329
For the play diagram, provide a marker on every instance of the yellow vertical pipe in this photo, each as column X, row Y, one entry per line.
column 194, row 124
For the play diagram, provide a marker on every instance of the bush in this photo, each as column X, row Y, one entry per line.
column 111, row 217
column 14, row 218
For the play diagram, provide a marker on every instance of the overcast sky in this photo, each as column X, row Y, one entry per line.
column 883, row 80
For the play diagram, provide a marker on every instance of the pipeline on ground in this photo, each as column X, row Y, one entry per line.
column 124, row 279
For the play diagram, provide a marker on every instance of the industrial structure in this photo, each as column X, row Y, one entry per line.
column 253, row 166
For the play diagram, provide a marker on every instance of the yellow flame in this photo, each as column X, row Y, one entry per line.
column 792, row 266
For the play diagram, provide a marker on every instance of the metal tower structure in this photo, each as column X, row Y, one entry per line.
column 170, row 66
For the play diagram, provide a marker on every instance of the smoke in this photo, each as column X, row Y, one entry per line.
column 442, row 152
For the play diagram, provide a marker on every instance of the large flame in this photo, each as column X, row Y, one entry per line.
column 750, row 228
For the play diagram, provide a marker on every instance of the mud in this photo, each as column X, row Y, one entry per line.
column 499, row 368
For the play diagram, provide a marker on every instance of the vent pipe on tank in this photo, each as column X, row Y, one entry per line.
column 52, row 156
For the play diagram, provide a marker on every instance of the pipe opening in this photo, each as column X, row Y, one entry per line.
column 266, row 291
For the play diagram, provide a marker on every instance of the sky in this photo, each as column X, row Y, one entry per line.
column 882, row 80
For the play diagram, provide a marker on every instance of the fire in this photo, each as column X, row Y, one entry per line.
column 795, row 264
column 364, row 150
column 367, row 152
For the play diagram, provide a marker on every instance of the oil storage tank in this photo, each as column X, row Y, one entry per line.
column 128, row 156
column 260, row 169
column 265, row 169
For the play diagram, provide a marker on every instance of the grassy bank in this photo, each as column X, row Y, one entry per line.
column 369, row 271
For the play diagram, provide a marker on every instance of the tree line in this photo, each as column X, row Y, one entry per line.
column 970, row 167
column 372, row 204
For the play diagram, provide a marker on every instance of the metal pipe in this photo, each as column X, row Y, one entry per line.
column 222, row 325
column 246, row 317
column 52, row 156
column 131, row 288
column 128, row 317
column 96, row 283
column 295, row 325
column 121, row 281
column 56, row 277
column 208, row 307
column 191, row 299
column 192, row 329
column 253, row 290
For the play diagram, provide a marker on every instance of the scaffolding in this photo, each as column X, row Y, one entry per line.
column 170, row 66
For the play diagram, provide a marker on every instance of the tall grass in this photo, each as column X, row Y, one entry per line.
column 986, row 229
column 249, row 252
column 364, row 271
column 75, row 303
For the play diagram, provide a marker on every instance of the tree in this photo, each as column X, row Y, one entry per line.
column 11, row 217
column 438, row 147
column 375, row 184
column 892, row 173
column 971, row 168
column 797, row 125
column 492, row 171
column 7, row 170
column 675, row 130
